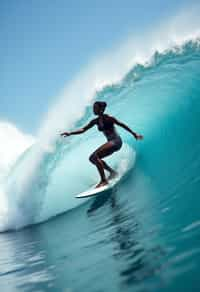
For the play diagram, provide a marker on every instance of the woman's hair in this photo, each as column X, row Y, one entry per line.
column 101, row 104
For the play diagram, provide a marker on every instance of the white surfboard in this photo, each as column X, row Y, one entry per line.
column 123, row 164
column 97, row 191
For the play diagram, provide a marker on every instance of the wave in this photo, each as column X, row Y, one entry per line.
column 157, row 97
column 14, row 143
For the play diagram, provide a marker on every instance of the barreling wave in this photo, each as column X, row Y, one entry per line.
column 160, row 99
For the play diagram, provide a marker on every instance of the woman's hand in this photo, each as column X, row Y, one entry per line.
column 138, row 137
column 65, row 134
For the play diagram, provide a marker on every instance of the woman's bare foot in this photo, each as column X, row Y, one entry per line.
column 102, row 184
column 112, row 175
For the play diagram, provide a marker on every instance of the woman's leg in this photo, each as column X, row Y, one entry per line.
column 103, row 151
column 113, row 173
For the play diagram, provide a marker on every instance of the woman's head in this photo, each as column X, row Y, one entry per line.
column 99, row 107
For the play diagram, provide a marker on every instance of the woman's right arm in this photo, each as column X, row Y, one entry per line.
column 80, row 131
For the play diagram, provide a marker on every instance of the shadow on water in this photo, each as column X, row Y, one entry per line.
column 137, row 262
column 99, row 201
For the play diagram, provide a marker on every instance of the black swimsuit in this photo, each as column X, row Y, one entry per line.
column 106, row 125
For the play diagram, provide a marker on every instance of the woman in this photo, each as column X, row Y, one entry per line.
column 105, row 124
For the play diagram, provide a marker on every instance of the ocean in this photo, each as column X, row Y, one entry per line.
column 144, row 235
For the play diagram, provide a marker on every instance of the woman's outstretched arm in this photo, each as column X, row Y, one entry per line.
column 80, row 131
column 137, row 136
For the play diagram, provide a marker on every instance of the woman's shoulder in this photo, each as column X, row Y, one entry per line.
column 109, row 117
column 93, row 122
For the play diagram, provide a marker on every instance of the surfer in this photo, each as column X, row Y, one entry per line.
column 105, row 124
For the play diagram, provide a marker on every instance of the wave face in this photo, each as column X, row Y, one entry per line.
column 161, row 100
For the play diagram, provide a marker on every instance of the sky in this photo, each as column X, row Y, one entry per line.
column 44, row 43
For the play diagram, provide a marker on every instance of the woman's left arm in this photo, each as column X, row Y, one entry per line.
column 124, row 126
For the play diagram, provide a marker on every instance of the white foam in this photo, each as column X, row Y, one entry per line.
column 13, row 143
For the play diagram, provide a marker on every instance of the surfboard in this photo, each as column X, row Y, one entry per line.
column 124, row 161
column 97, row 191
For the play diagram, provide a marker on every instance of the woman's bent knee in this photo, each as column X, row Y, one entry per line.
column 93, row 158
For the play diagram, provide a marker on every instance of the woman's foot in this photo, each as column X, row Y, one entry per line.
column 102, row 184
column 112, row 175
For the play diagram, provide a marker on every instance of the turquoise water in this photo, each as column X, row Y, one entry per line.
column 142, row 236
